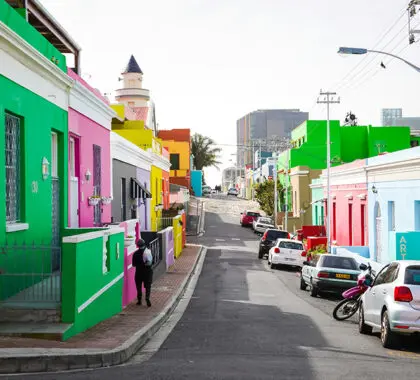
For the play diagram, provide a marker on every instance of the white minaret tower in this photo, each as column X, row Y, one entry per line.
column 132, row 94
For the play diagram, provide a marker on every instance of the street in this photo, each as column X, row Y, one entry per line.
column 247, row 321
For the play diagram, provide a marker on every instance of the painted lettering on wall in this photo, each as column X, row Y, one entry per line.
column 403, row 247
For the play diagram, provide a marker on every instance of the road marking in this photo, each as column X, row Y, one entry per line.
column 404, row 354
column 220, row 240
column 236, row 239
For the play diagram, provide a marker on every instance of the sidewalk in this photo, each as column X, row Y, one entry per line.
column 111, row 342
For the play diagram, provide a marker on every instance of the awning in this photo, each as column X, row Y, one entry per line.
column 138, row 191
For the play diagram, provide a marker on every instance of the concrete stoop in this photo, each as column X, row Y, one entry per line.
column 34, row 330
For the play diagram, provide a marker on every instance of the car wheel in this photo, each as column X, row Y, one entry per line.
column 273, row 266
column 363, row 327
column 314, row 290
column 388, row 337
column 302, row 284
column 260, row 254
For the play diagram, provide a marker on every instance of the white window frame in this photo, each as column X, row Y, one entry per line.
column 72, row 157
column 54, row 155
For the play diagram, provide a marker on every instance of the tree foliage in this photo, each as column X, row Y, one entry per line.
column 205, row 153
column 264, row 195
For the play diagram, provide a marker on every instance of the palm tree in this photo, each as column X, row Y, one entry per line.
column 204, row 152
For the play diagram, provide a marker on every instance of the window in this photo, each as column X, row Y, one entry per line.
column 72, row 157
column 338, row 262
column 391, row 216
column 291, row 245
column 381, row 276
column 391, row 274
column 54, row 155
column 417, row 215
column 13, row 168
column 174, row 158
column 412, row 275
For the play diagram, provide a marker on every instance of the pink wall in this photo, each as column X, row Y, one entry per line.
column 89, row 133
column 350, row 223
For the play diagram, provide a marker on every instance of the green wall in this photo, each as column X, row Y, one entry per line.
column 39, row 118
column 354, row 143
column 389, row 139
column 83, row 278
column 18, row 24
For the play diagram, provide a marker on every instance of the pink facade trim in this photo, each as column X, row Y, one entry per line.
column 86, row 134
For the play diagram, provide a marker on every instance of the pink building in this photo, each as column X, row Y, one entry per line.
column 89, row 156
column 348, row 204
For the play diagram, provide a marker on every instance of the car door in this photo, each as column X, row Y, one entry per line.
column 382, row 290
column 369, row 296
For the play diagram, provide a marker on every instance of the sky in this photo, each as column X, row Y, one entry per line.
column 207, row 63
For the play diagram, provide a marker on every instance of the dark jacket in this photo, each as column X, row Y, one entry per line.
column 142, row 271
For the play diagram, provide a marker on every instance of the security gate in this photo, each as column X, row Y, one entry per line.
column 97, row 209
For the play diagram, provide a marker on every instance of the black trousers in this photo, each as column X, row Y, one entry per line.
column 146, row 280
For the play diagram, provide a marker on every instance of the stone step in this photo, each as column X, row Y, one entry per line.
column 29, row 313
column 50, row 331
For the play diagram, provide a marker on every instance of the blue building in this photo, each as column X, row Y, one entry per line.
column 197, row 182
column 393, row 182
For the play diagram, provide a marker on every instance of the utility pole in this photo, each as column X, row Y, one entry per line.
column 328, row 98
column 286, row 195
column 275, row 188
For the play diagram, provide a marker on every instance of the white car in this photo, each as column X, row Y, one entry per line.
column 287, row 252
column 392, row 304
column 261, row 224
column 233, row 191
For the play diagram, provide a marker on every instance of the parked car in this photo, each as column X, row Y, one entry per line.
column 206, row 190
column 392, row 304
column 261, row 224
column 268, row 239
column 233, row 191
column 331, row 273
column 248, row 217
column 287, row 252
column 213, row 191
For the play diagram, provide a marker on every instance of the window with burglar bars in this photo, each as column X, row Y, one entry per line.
column 12, row 159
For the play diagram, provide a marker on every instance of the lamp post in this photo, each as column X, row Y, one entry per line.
column 361, row 51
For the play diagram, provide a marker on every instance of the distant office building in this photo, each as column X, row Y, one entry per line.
column 263, row 125
column 230, row 177
column 390, row 116
column 412, row 122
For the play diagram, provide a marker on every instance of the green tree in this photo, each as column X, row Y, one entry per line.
column 264, row 195
column 204, row 151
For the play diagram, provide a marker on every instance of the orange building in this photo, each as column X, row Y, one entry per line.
column 178, row 143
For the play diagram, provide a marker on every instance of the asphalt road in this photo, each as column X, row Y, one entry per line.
column 246, row 321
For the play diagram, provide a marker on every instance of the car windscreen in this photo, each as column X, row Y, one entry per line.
column 274, row 235
column 338, row 262
column 250, row 213
column 265, row 221
column 291, row 245
column 412, row 275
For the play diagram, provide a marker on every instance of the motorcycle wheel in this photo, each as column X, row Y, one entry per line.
column 345, row 309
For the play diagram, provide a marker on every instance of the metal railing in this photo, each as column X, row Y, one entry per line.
column 155, row 248
column 194, row 216
column 30, row 274
column 163, row 223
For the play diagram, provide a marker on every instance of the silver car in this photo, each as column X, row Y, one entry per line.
column 261, row 224
column 392, row 304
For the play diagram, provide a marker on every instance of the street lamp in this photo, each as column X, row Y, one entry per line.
column 360, row 51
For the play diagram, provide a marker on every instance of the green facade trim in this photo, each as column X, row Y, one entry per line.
column 16, row 21
column 39, row 118
column 90, row 296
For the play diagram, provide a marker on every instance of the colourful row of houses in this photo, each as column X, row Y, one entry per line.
column 84, row 178
column 370, row 210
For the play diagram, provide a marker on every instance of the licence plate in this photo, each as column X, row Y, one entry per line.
column 288, row 259
column 342, row 275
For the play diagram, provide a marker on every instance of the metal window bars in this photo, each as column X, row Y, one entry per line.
column 12, row 160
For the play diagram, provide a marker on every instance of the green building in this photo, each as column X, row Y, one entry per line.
column 348, row 143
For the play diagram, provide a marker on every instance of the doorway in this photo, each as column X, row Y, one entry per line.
column 74, row 182
column 97, row 209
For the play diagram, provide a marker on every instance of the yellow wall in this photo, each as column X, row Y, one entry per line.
column 183, row 149
column 156, row 190
column 177, row 235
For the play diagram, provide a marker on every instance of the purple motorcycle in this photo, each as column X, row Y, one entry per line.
column 351, row 302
